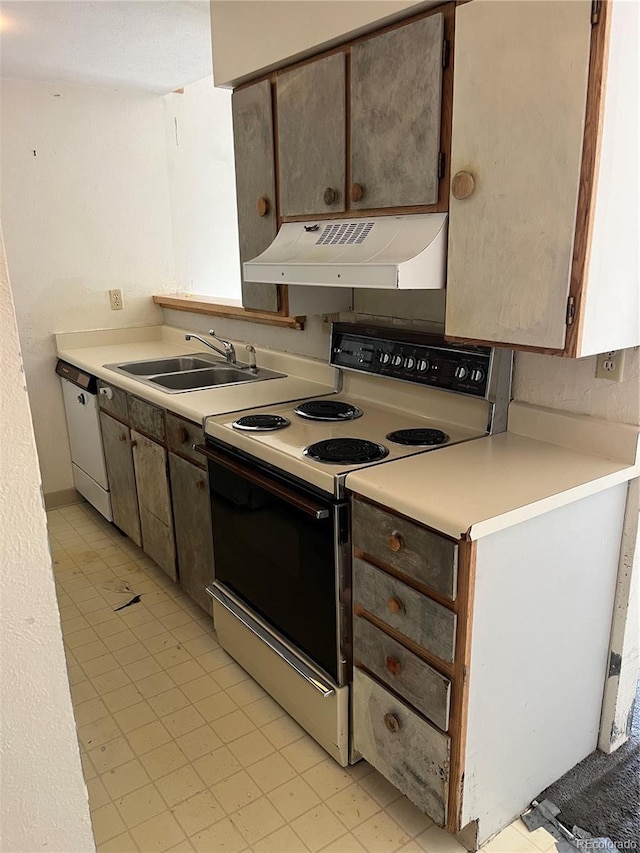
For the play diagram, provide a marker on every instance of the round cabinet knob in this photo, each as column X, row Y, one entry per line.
column 262, row 206
column 460, row 372
column 330, row 196
column 357, row 192
column 395, row 541
column 395, row 605
column 393, row 665
column 463, row 185
column 392, row 723
column 200, row 484
column 183, row 435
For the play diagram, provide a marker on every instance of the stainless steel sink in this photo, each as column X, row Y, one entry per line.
column 177, row 374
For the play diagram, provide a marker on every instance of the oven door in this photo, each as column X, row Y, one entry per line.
column 282, row 550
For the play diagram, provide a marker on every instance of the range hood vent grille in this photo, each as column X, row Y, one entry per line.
column 345, row 233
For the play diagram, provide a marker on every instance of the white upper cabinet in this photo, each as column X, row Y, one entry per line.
column 535, row 241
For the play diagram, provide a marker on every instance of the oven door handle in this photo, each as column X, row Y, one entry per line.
column 309, row 507
column 274, row 644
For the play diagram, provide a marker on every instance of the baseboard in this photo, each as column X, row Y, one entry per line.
column 65, row 497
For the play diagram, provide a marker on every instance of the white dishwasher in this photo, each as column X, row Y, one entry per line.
column 85, row 439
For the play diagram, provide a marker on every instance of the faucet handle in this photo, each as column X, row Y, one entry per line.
column 252, row 358
column 212, row 333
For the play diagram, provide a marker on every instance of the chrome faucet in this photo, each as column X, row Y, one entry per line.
column 229, row 351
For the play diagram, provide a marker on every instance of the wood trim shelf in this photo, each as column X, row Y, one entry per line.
column 204, row 305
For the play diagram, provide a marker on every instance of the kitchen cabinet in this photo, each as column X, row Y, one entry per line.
column 118, row 456
column 311, row 137
column 255, row 184
column 191, row 509
column 396, row 102
column 472, row 690
column 544, row 163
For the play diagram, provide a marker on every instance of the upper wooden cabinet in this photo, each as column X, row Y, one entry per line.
column 396, row 98
column 255, row 184
column 542, row 207
column 311, row 137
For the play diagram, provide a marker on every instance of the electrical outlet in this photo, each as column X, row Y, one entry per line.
column 115, row 297
column 610, row 365
column 327, row 320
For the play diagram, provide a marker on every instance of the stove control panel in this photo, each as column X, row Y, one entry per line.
column 412, row 357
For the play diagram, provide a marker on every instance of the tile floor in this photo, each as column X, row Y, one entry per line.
column 182, row 750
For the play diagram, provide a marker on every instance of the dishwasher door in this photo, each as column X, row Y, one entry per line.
column 85, row 440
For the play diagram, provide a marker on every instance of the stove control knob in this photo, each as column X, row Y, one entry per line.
column 477, row 375
column 460, row 372
column 385, row 358
column 423, row 365
column 410, row 362
column 396, row 361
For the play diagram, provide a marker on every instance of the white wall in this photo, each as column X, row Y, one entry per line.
column 43, row 799
column 88, row 211
column 199, row 138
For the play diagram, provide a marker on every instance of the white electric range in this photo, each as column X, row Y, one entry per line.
column 281, row 515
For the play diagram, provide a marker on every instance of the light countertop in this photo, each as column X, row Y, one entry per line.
column 91, row 351
column 488, row 484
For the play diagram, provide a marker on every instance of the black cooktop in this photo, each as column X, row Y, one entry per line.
column 328, row 410
column 261, row 423
column 344, row 451
column 418, row 437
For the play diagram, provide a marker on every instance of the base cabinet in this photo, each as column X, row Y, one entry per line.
column 118, row 454
column 192, row 521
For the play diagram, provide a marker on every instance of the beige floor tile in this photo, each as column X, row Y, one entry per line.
column 236, row 792
column 511, row 841
column 185, row 672
column 318, row 827
column 436, row 840
column 79, row 638
column 251, row 747
column 163, row 760
column 283, row 840
column 184, row 846
column 303, row 753
column 257, row 819
column 96, row 734
column 122, row 843
column 140, row 805
column 120, row 640
column 411, row 847
column 168, row 702
column 213, row 661
column 90, row 651
column 201, row 645
column 151, row 628
column 88, row 770
column 410, row 818
column 541, row 838
column 148, row 737
column 232, row 726
column 229, row 675
column 282, row 731
column 216, row 766
column 131, row 653
column 184, row 721
column 82, row 692
column 264, row 711
column 158, row 834
column 199, row 742
column 222, row 837
column 200, row 688
column 327, row 778
column 381, row 790
column 353, row 805
column 106, row 823
column 198, row 812
column 176, row 620
column 109, row 628
column 121, row 698
column 294, row 798
column 173, row 656
column 180, row 785
column 160, row 643
column 111, row 754
column 90, row 711
column 135, row 716
column 187, row 630
column 98, row 666
column 216, row 706
column 155, row 684
column 381, row 833
column 124, row 779
column 109, row 681
column 246, row 692
column 98, row 794
column 271, row 772
column 76, row 674
column 345, row 844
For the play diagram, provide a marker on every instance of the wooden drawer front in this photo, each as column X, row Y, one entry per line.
column 408, row 751
column 146, row 418
column 417, row 616
column 421, row 554
column 417, row 682
column 112, row 400
column 182, row 435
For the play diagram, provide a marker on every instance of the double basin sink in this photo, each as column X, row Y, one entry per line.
column 181, row 373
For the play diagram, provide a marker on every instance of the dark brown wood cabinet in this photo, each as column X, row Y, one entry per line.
column 118, row 455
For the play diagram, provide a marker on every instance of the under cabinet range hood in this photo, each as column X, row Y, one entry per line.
column 387, row 252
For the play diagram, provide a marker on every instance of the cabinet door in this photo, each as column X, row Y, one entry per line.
column 116, row 441
column 520, row 86
column 156, row 521
column 255, row 185
column 311, row 137
column 396, row 94
column 192, row 522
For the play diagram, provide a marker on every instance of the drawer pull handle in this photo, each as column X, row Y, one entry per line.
column 463, row 185
column 262, row 206
column 395, row 541
column 357, row 191
column 393, row 665
column 330, row 196
column 395, row 605
column 183, row 435
column 200, row 484
column 122, row 436
column 392, row 723
column 134, row 443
